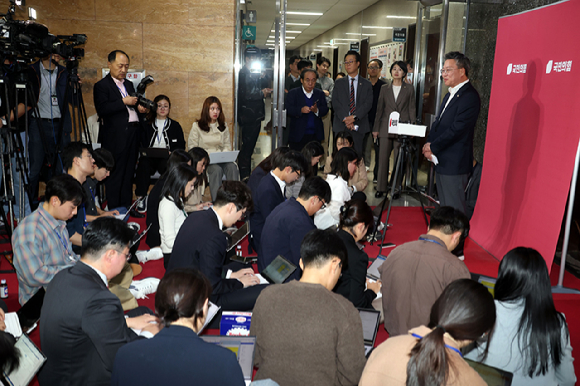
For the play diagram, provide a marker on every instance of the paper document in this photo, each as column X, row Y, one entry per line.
column 13, row 324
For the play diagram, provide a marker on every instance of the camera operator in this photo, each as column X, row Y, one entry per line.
column 120, row 128
column 48, row 80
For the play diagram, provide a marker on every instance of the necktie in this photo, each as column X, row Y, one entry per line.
column 352, row 106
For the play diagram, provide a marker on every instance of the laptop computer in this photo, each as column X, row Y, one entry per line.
column 31, row 360
column 223, row 157
column 242, row 346
column 154, row 152
column 278, row 270
column 491, row 375
column 125, row 216
column 239, row 235
column 29, row 313
column 373, row 270
column 370, row 321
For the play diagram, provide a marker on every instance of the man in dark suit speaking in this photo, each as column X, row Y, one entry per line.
column 120, row 129
column 306, row 105
column 450, row 141
column 352, row 99
column 82, row 323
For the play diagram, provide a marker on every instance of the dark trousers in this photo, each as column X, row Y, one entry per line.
column 451, row 190
column 119, row 184
column 250, row 133
column 37, row 150
column 238, row 300
column 298, row 146
column 145, row 169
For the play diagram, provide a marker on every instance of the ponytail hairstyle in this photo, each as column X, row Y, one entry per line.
column 311, row 150
column 354, row 212
column 465, row 310
column 182, row 294
column 523, row 275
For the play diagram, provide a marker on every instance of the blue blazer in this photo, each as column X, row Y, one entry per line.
column 284, row 231
column 295, row 101
column 451, row 135
column 268, row 196
column 201, row 244
column 176, row 356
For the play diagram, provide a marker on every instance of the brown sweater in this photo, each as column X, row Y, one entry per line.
column 387, row 365
column 307, row 335
column 359, row 179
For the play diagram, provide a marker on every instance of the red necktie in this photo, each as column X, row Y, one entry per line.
column 352, row 106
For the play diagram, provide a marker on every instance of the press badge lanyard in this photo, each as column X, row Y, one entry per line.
column 449, row 347
column 431, row 241
column 64, row 244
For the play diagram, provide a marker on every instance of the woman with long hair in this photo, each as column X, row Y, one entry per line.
column 312, row 151
column 431, row 356
column 531, row 339
column 200, row 160
column 176, row 354
column 211, row 133
column 395, row 96
column 179, row 184
column 160, row 131
column 344, row 165
column 356, row 217
column 359, row 181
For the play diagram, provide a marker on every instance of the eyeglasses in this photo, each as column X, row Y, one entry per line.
column 127, row 255
column 297, row 172
column 448, row 70
column 323, row 203
column 349, row 62
column 373, row 68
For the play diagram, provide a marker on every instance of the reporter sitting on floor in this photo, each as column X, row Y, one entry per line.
column 104, row 162
column 264, row 168
column 305, row 333
column 202, row 244
column 211, row 133
column 290, row 221
column 82, row 324
column 199, row 161
column 177, row 356
column 312, row 151
column 359, row 180
column 355, row 219
column 179, row 184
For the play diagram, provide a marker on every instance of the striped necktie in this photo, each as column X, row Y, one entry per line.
column 352, row 106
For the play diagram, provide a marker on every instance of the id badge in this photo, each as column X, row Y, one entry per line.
column 54, row 100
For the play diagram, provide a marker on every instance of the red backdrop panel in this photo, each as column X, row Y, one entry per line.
column 532, row 131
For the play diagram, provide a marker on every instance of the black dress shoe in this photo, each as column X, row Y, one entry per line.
column 396, row 196
column 134, row 213
column 379, row 194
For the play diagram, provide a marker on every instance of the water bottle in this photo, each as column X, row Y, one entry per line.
column 3, row 289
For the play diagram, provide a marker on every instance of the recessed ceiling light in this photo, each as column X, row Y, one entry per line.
column 400, row 17
column 290, row 32
column 351, row 33
column 304, row 24
column 305, row 13
column 376, row 26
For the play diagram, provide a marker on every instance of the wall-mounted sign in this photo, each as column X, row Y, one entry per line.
column 251, row 16
column 355, row 46
column 249, row 32
column 400, row 35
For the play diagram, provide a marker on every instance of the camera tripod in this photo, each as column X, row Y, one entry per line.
column 404, row 160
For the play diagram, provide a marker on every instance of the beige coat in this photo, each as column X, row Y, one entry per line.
column 213, row 142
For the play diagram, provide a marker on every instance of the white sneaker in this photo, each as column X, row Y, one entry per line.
column 152, row 254
column 141, row 288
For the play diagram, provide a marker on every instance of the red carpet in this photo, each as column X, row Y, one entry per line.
column 408, row 224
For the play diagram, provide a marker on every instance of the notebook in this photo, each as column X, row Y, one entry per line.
column 370, row 322
column 239, row 235
column 242, row 346
column 277, row 271
column 373, row 270
column 31, row 360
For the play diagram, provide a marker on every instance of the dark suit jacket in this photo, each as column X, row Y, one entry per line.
column 113, row 112
column 341, row 101
column 267, row 198
column 81, row 328
column 173, row 135
column 351, row 284
column 295, row 101
column 451, row 135
column 284, row 231
column 176, row 356
column 405, row 106
column 201, row 244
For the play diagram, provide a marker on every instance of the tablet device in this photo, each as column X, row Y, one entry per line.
column 278, row 270
column 239, row 235
column 242, row 346
column 373, row 270
column 154, row 152
column 223, row 157
column 370, row 322
column 491, row 375
column 29, row 313
column 31, row 360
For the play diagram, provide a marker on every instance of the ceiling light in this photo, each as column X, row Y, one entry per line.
column 345, row 39
column 290, row 32
column 305, row 13
column 376, row 26
column 401, row 17
column 350, row 33
column 270, row 44
column 304, row 24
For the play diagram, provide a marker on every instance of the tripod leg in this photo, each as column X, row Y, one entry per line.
column 397, row 170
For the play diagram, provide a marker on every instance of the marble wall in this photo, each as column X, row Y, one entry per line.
column 186, row 45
